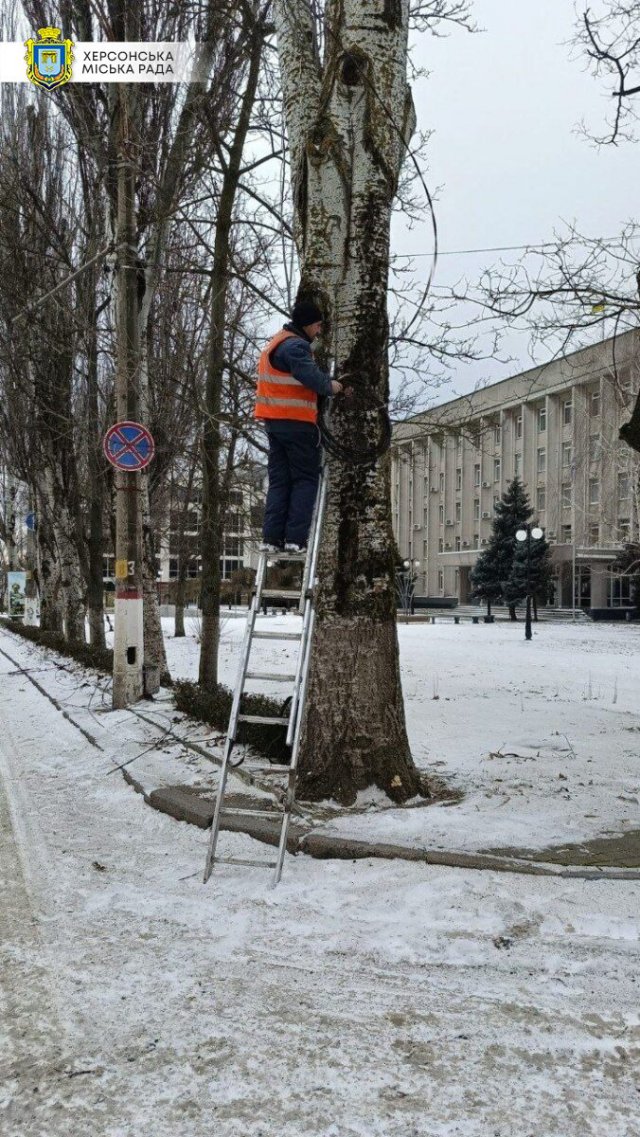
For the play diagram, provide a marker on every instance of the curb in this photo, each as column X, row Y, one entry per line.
column 184, row 803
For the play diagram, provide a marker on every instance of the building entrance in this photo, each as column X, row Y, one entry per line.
column 582, row 594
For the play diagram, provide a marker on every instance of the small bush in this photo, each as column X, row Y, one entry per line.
column 215, row 709
column 100, row 658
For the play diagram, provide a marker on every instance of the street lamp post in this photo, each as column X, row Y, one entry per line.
column 406, row 578
column 527, row 534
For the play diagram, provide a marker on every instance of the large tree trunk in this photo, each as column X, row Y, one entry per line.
column 346, row 129
column 95, row 469
column 51, row 608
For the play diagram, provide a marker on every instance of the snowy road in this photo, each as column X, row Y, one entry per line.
column 365, row 1000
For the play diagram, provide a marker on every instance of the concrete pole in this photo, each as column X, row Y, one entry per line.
column 128, row 653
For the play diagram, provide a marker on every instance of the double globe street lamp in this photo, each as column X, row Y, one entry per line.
column 528, row 534
column 406, row 578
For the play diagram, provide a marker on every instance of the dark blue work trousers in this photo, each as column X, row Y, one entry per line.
column 294, row 472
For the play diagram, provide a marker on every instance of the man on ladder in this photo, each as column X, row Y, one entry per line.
column 289, row 383
column 287, row 400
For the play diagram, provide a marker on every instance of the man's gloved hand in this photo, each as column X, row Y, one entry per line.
column 336, row 387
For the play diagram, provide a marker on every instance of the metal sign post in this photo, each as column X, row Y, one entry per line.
column 127, row 450
column 129, row 447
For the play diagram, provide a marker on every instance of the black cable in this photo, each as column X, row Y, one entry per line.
column 357, row 450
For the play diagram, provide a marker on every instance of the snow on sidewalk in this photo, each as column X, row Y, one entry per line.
column 542, row 736
column 376, row 999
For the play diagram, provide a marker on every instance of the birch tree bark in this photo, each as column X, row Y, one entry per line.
column 349, row 117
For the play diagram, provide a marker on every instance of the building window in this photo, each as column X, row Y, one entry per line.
column 476, row 509
column 458, row 511
column 594, row 491
column 476, row 474
column 594, row 404
column 594, row 448
column 541, row 499
column 476, row 540
column 497, row 434
column 457, row 544
column 566, row 495
column 623, row 487
column 233, row 547
column 619, row 592
column 441, row 581
column 441, row 483
column 458, row 442
column 495, row 502
column 565, row 534
column 624, row 527
column 566, row 453
column 496, row 469
column 594, row 534
column 542, row 460
column 542, row 419
column 173, row 568
column 567, row 411
column 519, row 426
column 441, row 544
column 517, row 465
column 458, row 479
column 441, row 514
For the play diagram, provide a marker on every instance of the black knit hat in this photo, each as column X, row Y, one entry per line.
column 305, row 313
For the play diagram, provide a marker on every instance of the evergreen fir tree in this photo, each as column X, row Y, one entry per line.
column 484, row 581
column 540, row 574
column 491, row 572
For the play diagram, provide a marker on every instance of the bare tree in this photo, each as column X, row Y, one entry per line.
column 350, row 117
column 608, row 32
column 254, row 30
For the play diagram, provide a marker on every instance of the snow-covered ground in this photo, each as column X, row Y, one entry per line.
column 366, row 999
column 543, row 736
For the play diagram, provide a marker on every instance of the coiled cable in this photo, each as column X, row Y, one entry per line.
column 357, row 451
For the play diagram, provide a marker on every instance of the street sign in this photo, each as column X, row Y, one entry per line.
column 128, row 446
column 30, row 522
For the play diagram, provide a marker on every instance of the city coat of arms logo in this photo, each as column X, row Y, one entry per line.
column 49, row 59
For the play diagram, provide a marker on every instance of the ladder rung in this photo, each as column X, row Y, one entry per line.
column 268, row 768
column 285, row 556
column 284, row 592
column 277, row 635
column 277, row 677
column 275, row 720
column 244, row 861
column 233, row 812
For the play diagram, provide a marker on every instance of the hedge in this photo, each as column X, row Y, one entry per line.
column 100, row 658
column 215, row 708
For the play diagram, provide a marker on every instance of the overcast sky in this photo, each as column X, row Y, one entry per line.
column 505, row 106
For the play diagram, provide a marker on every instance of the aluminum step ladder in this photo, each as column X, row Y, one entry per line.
column 293, row 720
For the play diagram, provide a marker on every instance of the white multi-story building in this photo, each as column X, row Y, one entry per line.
column 241, row 533
column 556, row 428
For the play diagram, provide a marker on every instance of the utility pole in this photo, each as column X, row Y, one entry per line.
column 128, row 645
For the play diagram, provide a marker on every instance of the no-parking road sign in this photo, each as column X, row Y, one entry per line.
column 128, row 446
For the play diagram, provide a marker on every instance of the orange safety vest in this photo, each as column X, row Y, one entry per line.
column 279, row 395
